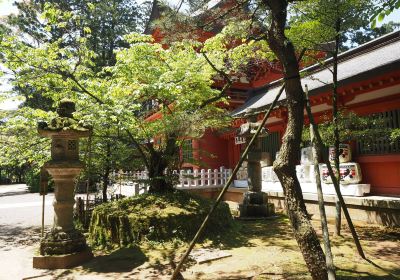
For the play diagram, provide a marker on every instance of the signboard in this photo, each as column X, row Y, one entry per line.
column 350, row 173
column 240, row 140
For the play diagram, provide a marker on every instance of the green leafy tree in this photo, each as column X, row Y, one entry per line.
column 351, row 127
column 367, row 34
column 176, row 81
column 330, row 21
column 102, row 23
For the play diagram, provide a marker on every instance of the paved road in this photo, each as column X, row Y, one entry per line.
column 18, row 208
column 20, row 223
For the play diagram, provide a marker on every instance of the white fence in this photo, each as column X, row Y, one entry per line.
column 187, row 178
column 203, row 178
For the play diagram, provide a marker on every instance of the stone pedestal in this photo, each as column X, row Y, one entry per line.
column 255, row 205
column 62, row 261
column 254, row 171
column 63, row 246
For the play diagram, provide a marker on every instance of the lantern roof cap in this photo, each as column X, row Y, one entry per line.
column 65, row 125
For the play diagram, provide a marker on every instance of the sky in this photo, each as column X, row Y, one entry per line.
column 7, row 8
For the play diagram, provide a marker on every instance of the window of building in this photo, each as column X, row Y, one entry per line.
column 384, row 145
column 187, row 150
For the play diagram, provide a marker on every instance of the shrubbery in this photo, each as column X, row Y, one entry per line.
column 159, row 217
column 32, row 180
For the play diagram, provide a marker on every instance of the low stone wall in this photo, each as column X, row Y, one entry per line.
column 233, row 194
column 382, row 210
column 371, row 209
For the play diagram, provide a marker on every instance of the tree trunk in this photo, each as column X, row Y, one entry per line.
column 106, row 172
column 159, row 181
column 338, row 218
column 285, row 165
column 105, row 184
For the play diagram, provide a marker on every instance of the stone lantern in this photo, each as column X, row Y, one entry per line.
column 63, row 246
column 255, row 202
column 255, row 155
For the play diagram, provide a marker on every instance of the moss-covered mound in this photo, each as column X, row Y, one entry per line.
column 158, row 217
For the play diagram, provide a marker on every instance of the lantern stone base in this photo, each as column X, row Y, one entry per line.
column 62, row 249
column 59, row 242
column 62, row 261
column 254, row 205
column 256, row 210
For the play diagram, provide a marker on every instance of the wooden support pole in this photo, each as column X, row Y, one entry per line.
column 89, row 164
column 316, row 149
column 44, row 179
column 336, row 185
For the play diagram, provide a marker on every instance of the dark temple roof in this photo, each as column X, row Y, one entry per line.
column 378, row 56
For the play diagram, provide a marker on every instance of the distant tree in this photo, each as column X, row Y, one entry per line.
column 367, row 34
column 383, row 9
column 102, row 23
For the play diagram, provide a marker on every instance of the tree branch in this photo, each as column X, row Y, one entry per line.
column 223, row 90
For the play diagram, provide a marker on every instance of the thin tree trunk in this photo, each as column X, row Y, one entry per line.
column 337, row 190
column 106, row 172
column 285, row 165
column 338, row 218
column 317, row 154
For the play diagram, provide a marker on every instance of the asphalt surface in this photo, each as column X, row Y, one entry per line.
column 20, row 226
column 18, row 208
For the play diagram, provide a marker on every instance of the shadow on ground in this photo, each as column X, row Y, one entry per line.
column 361, row 275
column 18, row 236
column 13, row 193
column 122, row 260
column 272, row 232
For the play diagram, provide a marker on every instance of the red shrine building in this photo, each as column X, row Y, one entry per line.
column 369, row 85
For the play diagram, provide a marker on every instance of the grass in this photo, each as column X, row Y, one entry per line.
column 155, row 217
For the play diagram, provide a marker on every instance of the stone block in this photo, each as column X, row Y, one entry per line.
column 344, row 153
column 240, row 183
column 350, row 173
column 268, row 174
column 306, row 156
column 62, row 261
column 253, row 198
column 256, row 210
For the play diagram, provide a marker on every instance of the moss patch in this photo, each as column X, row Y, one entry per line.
column 158, row 217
